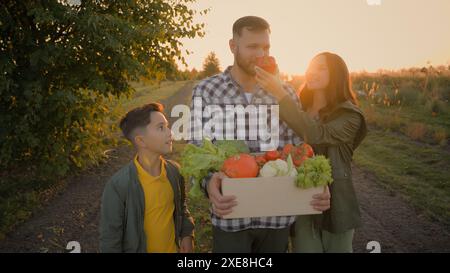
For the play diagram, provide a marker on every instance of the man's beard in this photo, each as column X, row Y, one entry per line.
column 248, row 68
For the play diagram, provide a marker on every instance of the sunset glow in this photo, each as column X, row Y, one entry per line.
column 392, row 35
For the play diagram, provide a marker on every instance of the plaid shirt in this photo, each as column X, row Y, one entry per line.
column 222, row 90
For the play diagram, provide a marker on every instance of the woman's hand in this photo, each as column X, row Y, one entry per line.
column 270, row 83
column 321, row 201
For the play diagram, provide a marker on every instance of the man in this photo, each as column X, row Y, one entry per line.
column 237, row 86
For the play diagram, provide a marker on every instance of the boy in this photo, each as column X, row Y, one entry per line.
column 144, row 203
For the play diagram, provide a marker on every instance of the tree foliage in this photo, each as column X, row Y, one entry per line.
column 61, row 65
column 211, row 65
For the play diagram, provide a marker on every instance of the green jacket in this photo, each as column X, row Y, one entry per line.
column 123, row 206
column 336, row 136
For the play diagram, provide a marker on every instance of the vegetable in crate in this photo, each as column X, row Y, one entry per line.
column 278, row 167
column 241, row 166
column 314, row 172
column 196, row 161
column 272, row 155
column 299, row 153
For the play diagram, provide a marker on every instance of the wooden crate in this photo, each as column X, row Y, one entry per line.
column 268, row 196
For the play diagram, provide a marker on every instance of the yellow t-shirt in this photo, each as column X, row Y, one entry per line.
column 159, row 226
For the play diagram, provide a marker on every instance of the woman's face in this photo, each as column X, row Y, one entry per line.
column 318, row 75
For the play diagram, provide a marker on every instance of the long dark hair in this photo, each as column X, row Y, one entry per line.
column 339, row 88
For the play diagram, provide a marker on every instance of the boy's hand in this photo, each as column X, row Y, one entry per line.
column 321, row 201
column 221, row 204
column 187, row 245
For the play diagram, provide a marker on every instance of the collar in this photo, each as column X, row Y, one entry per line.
column 144, row 175
column 235, row 88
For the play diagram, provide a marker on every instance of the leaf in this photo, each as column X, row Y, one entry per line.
column 196, row 162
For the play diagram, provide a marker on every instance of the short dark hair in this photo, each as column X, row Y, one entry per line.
column 137, row 118
column 252, row 23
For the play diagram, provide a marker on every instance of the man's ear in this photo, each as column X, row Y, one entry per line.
column 232, row 44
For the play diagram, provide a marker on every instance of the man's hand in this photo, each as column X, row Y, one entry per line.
column 321, row 201
column 187, row 245
column 221, row 204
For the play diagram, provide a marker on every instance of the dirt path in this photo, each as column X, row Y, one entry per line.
column 74, row 214
column 391, row 221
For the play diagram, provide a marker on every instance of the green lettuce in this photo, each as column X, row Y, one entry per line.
column 314, row 172
column 197, row 161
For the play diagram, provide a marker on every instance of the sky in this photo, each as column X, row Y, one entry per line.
column 392, row 35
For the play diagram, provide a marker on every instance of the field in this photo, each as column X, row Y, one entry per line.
column 403, row 160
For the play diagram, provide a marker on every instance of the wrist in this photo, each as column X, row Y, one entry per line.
column 280, row 92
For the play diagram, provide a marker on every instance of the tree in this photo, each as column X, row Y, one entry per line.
column 61, row 63
column 193, row 74
column 211, row 65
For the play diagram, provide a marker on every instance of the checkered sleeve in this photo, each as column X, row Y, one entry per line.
column 289, row 135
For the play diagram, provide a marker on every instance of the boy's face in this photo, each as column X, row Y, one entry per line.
column 156, row 137
column 249, row 46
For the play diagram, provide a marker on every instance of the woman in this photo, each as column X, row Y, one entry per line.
column 332, row 123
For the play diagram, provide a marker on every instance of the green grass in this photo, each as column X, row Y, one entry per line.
column 410, row 114
column 199, row 208
column 419, row 172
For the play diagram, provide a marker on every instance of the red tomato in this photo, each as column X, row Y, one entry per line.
column 298, row 153
column 272, row 155
column 267, row 63
column 307, row 150
column 287, row 149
